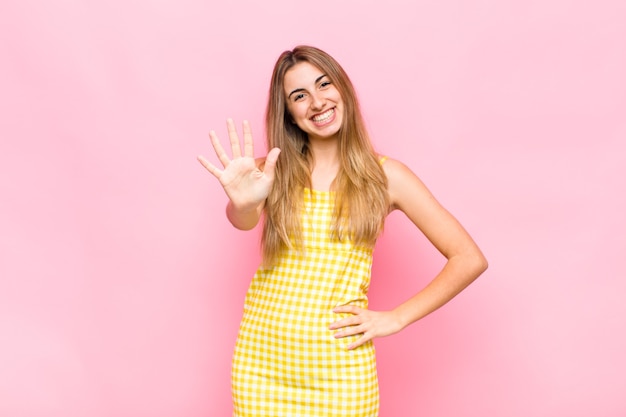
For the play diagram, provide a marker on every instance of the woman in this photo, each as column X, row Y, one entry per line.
column 305, row 341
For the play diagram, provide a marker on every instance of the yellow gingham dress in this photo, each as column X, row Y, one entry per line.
column 287, row 362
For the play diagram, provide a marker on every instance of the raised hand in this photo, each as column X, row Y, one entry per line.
column 245, row 184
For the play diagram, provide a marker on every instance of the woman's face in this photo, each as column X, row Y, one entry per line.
column 313, row 101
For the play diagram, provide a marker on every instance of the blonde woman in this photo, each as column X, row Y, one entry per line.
column 305, row 341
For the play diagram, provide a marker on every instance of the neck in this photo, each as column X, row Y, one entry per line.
column 324, row 151
column 325, row 163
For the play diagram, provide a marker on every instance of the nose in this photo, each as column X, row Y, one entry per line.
column 317, row 101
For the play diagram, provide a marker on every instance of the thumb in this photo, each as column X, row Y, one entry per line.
column 270, row 163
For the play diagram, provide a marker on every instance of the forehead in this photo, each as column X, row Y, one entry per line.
column 301, row 75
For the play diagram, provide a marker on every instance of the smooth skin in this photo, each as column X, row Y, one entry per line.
column 247, row 183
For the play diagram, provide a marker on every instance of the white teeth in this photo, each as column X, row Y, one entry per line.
column 324, row 116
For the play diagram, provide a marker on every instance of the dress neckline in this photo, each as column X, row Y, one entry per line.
column 314, row 191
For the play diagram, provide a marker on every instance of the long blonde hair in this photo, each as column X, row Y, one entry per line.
column 361, row 199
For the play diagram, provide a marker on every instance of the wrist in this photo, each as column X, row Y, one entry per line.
column 399, row 317
column 243, row 217
column 242, row 208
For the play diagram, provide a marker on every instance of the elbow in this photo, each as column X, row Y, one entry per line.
column 480, row 263
column 474, row 263
column 484, row 265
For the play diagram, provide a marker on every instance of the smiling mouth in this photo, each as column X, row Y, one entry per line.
column 323, row 118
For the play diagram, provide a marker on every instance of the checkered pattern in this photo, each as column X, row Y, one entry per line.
column 287, row 363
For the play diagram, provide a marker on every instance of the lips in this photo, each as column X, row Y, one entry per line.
column 321, row 119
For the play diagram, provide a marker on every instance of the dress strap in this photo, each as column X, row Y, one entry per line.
column 382, row 159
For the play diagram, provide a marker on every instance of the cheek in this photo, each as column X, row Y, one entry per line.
column 288, row 114
column 336, row 95
column 293, row 116
column 290, row 108
column 296, row 111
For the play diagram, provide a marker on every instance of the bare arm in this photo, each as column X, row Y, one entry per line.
column 465, row 261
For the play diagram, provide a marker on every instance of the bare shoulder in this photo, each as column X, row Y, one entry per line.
column 404, row 186
column 394, row 168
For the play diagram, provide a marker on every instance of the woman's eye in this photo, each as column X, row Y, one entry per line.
column 298, row 97
column 324, row 84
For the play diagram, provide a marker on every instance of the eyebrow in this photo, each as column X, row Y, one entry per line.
column 297, row 90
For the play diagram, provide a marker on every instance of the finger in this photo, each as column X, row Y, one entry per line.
column 347, row 308
column 360, row 341
column 234, row 139
column 348, row 321
column 270, row 163
column 248, row 146
column 219, row 150
column 349, row 331
column 210, row 167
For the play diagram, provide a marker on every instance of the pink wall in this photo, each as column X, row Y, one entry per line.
column 121, row 282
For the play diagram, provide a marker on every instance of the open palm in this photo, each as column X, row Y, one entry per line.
column 244, row 182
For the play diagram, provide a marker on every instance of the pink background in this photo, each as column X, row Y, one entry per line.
column 122, row 282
